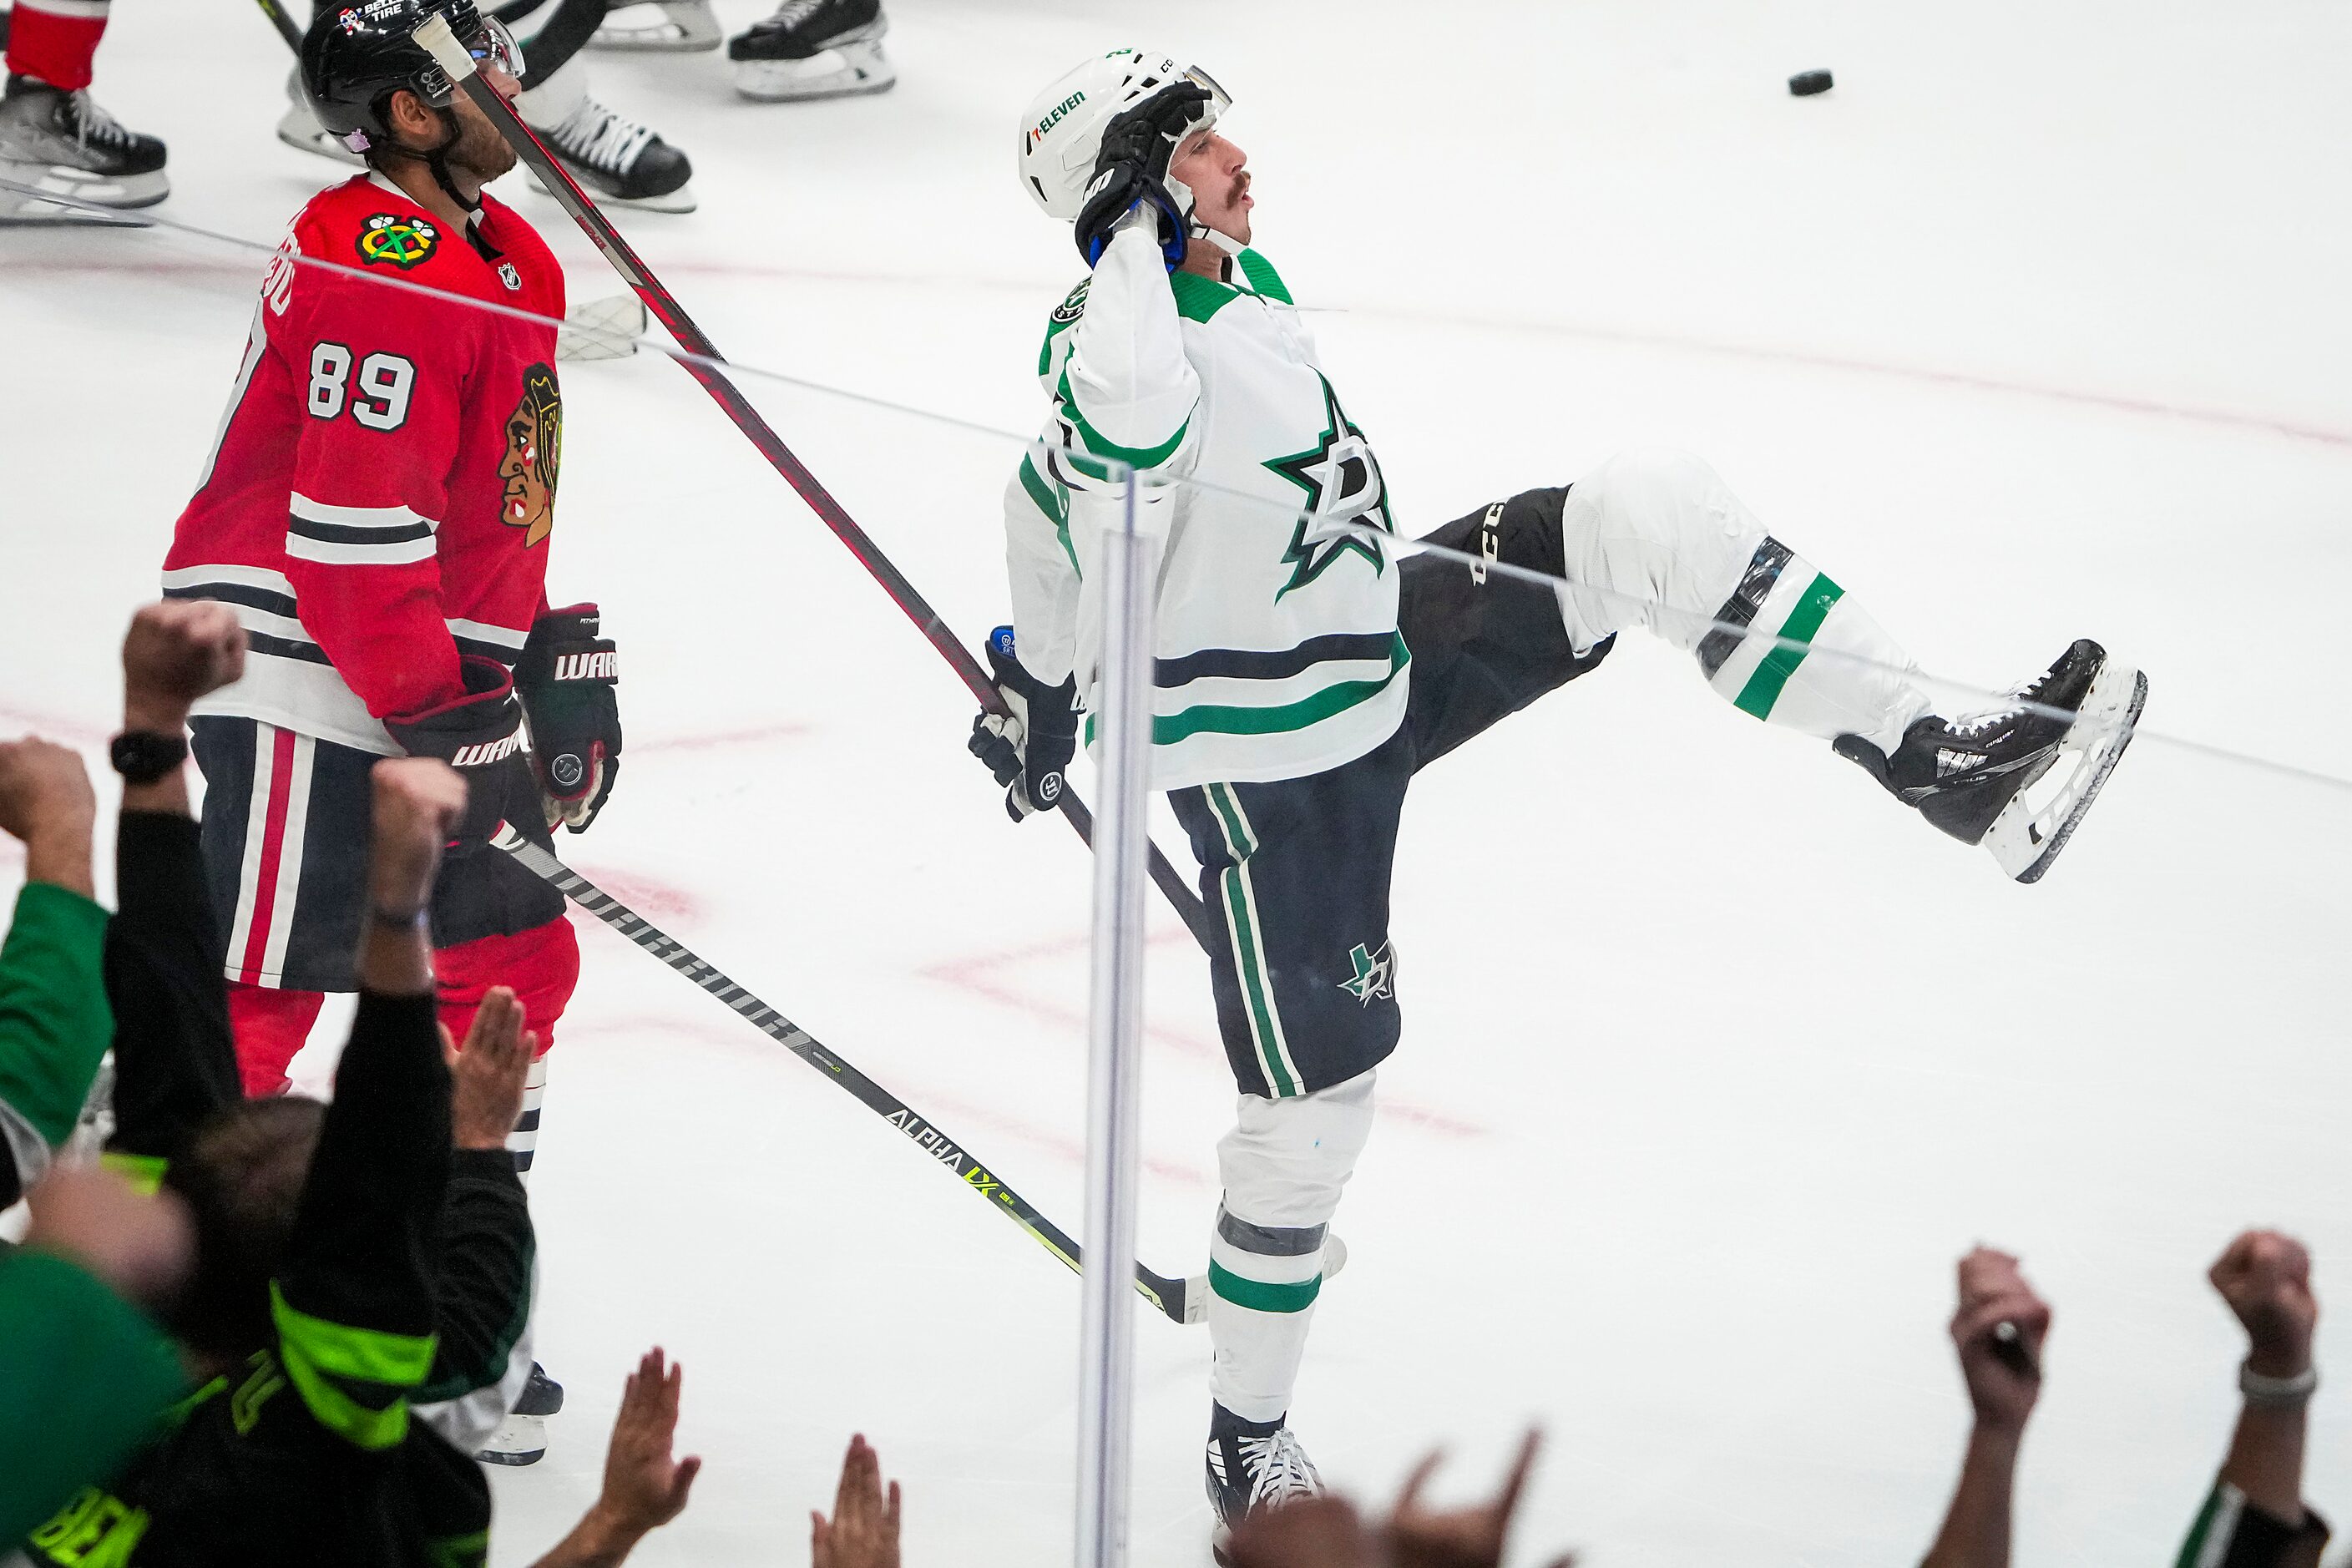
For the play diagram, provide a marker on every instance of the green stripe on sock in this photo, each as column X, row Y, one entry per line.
column 1763, row 688
column 1259, row 1297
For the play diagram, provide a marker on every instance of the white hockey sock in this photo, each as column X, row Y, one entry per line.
column 1657, row 539
column 551, row 103
column 523, row 1141
column 1283, row 1165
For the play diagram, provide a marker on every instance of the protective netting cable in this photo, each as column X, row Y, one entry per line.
column 1986, row 698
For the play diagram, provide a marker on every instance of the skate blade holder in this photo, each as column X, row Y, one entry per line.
column 2039, row 818
column 1196, row 1288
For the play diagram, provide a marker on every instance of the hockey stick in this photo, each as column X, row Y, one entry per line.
column 1183, row 1300
column 438, row 41
column 284, row 24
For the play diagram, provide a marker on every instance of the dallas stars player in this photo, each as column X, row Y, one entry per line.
column 1303, row 675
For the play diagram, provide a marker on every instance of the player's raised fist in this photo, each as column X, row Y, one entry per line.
column 43, row 785
column 418, row 801
column 176, row 651
column 2265, row 1277
column 1998, row 1329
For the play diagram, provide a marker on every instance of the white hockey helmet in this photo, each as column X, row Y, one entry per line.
column 1061, row 134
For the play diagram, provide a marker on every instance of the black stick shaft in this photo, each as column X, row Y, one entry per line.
column 283, row 23
column 1167, row 1295
column 739, row 409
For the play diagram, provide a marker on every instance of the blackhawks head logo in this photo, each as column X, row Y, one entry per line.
column 396, row 241
column 535, row 451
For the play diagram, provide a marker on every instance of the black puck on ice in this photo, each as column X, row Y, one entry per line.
column 1805, row 84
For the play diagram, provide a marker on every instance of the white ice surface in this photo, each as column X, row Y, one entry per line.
column 2035, row 327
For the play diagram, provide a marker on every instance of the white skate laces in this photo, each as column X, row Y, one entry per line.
column 602, row 138
column 792, row 12
column 92, row 125
column 1278, row 1468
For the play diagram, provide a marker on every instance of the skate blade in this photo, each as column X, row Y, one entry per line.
column 36, row 181
column 300, row 130
column 845, row 70
column 2026, row 838
column 681, row 200
column 600, row 329
column 520, row 1440
column 683, row 29
column 1196, row 1288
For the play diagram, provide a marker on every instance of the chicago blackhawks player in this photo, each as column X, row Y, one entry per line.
column 1303, row 674
column 378, row 508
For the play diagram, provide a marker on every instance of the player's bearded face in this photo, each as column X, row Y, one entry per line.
column 480, row 153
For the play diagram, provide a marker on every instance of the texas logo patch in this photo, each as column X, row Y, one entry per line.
column 396, row 241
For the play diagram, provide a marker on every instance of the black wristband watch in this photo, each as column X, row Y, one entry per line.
column 143, row 756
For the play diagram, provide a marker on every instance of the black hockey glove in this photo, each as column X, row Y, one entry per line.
column 480, row 735
column 1132, row 169
column 1029, row 750
column 567, row 678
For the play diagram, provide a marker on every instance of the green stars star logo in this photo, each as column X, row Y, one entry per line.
column 1375, row 973
column 1343, row 484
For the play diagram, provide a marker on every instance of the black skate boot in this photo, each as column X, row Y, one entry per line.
column 813, row 49
column 521, row 1437
column 64, row 142
column 1253, row 1465
column 1979, row 778
column 620, row 159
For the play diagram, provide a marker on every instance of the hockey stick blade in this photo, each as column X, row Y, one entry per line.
column 436, row 40
column 1183, row 1300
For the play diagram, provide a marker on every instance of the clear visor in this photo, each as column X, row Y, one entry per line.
column 491, row 46
column 1219, row 98
column 496, row 46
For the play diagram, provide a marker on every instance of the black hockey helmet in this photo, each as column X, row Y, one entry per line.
column 356, row 55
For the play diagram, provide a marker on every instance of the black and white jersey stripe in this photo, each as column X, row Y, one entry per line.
column 273, row 625
column 357, row 535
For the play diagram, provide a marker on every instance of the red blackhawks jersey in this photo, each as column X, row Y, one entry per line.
column 380, row 495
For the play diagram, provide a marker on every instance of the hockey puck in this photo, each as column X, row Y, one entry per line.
column 1805, row 84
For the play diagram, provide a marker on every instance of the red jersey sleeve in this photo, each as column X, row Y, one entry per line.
column 382, row 373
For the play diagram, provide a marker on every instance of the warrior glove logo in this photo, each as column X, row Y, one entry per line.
column 396, row 241
column 534, row 453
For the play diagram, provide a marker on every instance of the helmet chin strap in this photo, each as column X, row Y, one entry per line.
column 1216, row 237
column 435, row 158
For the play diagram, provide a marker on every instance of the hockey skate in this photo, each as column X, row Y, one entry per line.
column 521, row 1437
column 813, row 49
column 668, row 26
column 64, row 142
column 1253, row 1465
column 2018, row 778
column 620, row 159
column 298, row 127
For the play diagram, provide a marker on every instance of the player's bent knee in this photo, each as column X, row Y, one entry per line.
column 1653, row 491
column 1287, row 1160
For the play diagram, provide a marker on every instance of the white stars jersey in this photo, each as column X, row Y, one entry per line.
column 1277, row 651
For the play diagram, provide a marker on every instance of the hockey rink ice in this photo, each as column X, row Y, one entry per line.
column 2035, row 327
